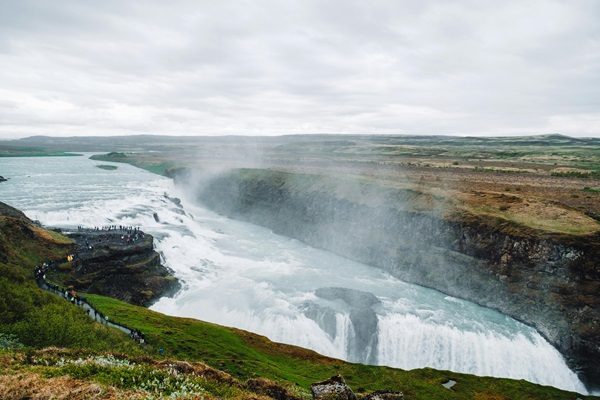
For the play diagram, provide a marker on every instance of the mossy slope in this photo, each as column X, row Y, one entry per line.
column 40, row 319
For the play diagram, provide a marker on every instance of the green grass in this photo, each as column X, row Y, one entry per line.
column 151, row 165
column 16, row 151
column 246, row 355
column 35, row 317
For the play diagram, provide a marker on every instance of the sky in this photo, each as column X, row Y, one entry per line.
column 79, row 67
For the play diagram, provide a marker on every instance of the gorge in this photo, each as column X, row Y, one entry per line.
column 238, row 274
column 549, row 281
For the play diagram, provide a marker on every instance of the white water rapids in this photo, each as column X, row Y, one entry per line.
column 242, row 275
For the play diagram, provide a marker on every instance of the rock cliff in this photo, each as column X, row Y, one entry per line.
column 549, row 281
column 114, row 264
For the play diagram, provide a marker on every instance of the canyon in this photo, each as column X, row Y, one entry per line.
column 547, row 280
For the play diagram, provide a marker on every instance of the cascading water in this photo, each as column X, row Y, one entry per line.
column 241, row 275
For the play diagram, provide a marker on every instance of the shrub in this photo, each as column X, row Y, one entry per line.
column 9, row 342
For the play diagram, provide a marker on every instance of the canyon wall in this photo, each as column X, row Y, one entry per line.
column 549, row 281
column 126, row 270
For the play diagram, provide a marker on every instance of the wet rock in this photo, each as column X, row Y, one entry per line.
column 362, row 346
column 384, row 395
column 354, row 298
column 3, row 179
column 155, row 215
column 270, row 388
column 334, row 388
column 174, row 200
column 323, row 316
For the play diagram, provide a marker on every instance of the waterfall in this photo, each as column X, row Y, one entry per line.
column 241, row 275
column 407, row 342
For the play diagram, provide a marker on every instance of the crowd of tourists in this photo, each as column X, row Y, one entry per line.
column 128, row 234
column 121, row 228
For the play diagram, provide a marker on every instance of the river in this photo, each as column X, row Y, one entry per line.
column 242, row 275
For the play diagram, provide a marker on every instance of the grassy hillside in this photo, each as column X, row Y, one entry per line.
column 246, row 355
column 159, row 167
column 94, row 361
column 36, row 318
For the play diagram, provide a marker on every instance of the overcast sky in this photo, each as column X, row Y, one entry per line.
column 282, row 67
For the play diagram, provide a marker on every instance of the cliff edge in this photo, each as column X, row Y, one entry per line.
column 119, row 263
column 549, row 280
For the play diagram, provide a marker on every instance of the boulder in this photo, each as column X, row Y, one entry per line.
column 384, row 395
column 334, row 388
column 270, row 388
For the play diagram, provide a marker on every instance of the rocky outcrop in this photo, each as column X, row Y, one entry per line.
column 120, row 265
column 549, row 281
column 8, row 211
column 270, row 389
column 384, row 395
column 3, row 179
column 334, row 388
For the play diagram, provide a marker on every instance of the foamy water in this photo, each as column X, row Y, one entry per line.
column 242, row 275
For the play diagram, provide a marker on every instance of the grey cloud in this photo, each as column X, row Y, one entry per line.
column 272, row 67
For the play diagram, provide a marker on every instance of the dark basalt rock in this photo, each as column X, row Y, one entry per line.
column 323, row 316
column 8, row 211
column 384, row 395
column 109, row 263
column 174, row 200
column 334, row 388
column 270, row 389
column 353, row 297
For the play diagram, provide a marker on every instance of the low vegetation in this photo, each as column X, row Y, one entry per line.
column 35, row 318
column 182, row 355
column 24, row 151
column 532, row 213
column 158, row 167
column 246, row 356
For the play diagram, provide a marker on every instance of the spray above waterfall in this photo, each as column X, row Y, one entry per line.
column 242, row 275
